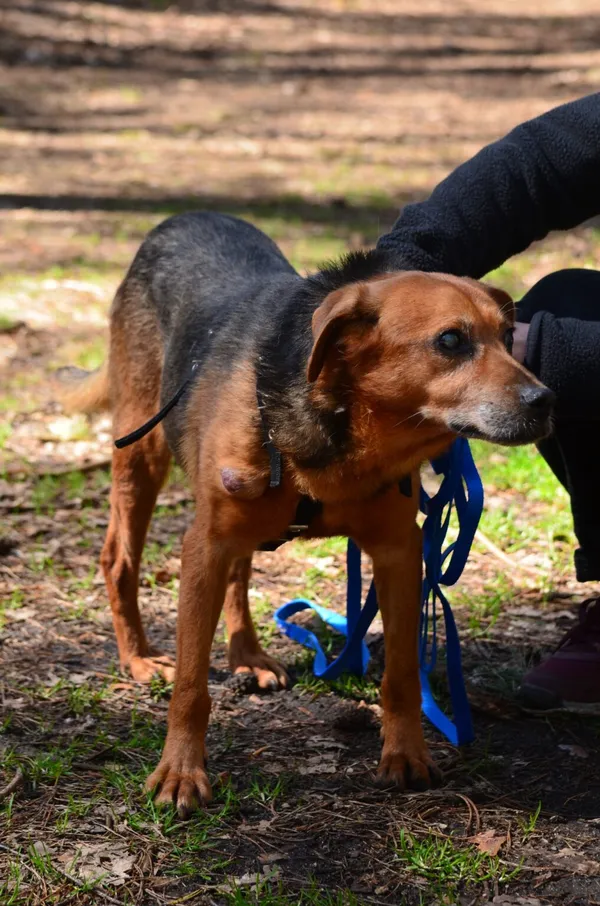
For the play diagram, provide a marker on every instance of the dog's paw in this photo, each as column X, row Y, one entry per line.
column 412, row 769
column 269, row 674
column 143, row 669
column 181, row 781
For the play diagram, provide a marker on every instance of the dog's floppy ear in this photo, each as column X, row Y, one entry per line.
column 503, row 300
column 339, row 308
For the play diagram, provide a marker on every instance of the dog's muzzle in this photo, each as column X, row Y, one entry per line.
column 528, row 421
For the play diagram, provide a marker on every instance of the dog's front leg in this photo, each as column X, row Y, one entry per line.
column 181, row 776
column 405, row 760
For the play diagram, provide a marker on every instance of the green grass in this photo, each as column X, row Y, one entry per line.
column 5, row 432
column 45, row 491
column 449, row 867
column 191, row 847
column 520, row 470
column 74, row 808
column 92, row 355
column 8, row 403
column 529, row 824
column 10, row 889
column 146, row 735
column 261, row 609
column 84, row 699
column 74, row 484
column 160, row 688
column 264, row 893
column 313, row 577
column 265, row 790
column 155, row 552
column 527, row 509
column 7, row 323
column 14, row 600
column 510, row 276
column 48, row 491
column 485, row 608
column 323, row 547
column 357, row 688
column 49, row 766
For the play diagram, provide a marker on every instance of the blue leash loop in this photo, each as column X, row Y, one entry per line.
column 460, row 491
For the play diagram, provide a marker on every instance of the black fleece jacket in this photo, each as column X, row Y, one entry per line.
column 542, row 176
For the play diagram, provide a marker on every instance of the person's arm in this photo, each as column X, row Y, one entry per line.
column 543, row 176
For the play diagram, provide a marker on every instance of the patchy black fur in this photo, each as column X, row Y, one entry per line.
column 353, row 267
column 222, row 292
column 314, row 436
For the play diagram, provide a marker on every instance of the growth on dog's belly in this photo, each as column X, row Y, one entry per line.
column 241, row 484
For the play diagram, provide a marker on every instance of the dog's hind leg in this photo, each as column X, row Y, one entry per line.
column 138, row 472
column 245, row 652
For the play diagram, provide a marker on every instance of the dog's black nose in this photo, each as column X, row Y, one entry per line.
column 538, row 398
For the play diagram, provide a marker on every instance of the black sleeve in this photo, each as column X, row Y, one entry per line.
column 543, row 176
column 563, row 353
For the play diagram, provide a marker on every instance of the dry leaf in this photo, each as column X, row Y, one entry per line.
column 324, row 742
column 575, row 863
column 260, row 827
column 272, row 857
column 575, row 750
column 41, row 848
column 109, row 861
column 257, row 879
column 488, row 842
column 326, row 763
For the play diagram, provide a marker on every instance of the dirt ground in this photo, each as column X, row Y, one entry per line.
column 318, row 121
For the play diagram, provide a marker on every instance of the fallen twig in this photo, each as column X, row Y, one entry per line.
column 497, row 552
column 14, row 784
column 473, row 814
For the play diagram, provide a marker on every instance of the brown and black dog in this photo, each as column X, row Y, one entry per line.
column 355, row 375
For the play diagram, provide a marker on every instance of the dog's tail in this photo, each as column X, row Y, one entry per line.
column 83, row 391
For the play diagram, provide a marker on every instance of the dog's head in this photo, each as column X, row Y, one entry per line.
column 430, row 348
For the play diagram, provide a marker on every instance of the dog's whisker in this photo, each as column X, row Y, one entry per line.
column 408, row 418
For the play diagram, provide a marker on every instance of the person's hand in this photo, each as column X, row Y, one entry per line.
column 520, row 341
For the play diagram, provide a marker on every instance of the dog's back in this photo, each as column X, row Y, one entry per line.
column 202, row 287
column 204, row 277
column 204, row 265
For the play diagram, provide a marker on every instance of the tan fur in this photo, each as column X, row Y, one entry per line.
column 86, row 394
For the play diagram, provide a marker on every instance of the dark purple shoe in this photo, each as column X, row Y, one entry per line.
column 570, row 678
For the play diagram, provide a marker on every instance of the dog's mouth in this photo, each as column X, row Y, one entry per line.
column 508, row 433
column 468, row 431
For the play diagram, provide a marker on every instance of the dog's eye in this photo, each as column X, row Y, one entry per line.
column 509, row 339
column 454, row 342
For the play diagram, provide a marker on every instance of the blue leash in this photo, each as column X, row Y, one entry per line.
column 461, row 490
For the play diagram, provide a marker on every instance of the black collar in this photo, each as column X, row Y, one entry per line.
column 275, row 458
